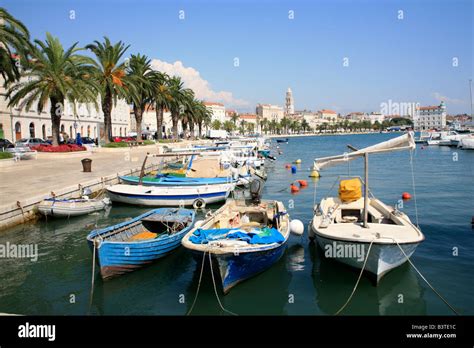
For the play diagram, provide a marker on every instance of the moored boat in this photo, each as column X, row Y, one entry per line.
column 196, row 196
column 134, row 243
column 71, row 207
column 362, row 231
column 242, row 239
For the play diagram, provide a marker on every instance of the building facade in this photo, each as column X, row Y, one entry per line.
column 289, row 103
column 430, row 117
column 218, row 111
column 16, row 122
column 270, row 112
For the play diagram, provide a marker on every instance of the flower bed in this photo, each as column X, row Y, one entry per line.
column 59, row 148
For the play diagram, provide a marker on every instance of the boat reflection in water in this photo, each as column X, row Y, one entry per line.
column 399, row 294
column 266, row 294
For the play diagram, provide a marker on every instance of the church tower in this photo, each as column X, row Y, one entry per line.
column 289, row 103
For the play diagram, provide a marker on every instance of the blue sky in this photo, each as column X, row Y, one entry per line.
column 403, row 60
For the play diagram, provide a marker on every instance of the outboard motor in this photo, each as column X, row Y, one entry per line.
column 256, row 188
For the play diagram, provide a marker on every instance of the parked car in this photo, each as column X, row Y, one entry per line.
column 30, row 142
column 87, row 140
column 5, row 144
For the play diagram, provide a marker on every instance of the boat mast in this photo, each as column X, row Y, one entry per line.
column 366, row 189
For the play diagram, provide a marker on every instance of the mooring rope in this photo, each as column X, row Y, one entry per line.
column 358, row 280
column 422, row 277
column 199, row 284
column 414, row 188
column 215, row 289
column 91, row 296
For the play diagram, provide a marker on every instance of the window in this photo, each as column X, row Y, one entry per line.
column 62, row 128
column 43, row 131
column 17, row 131
column 32, row 130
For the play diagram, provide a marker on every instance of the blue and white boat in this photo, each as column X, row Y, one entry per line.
column 170, row 196
column 242, row 239
column 132, row 244
column 168, row 180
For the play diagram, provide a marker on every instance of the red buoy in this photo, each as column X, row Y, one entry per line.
column 406, row 195
column 294, row 188
column 287, row 166
column 303, row 183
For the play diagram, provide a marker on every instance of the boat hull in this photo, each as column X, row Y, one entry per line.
column 236, row 268
column 119, row 257
column 382, row 258
column 65, row 209
column 168, row 197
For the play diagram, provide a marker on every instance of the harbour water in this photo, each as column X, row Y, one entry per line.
column 303, row 282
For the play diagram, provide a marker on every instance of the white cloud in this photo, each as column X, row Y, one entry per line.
column 448, row 100
column 193, row 79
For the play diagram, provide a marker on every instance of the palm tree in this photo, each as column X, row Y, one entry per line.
column 234, row 118
column 264, row 124
column 178, row 95
column 110, row 75
column 56, row 75
column 141, row 91
column 202, row 115
column 187, row 115
column 162, row 98
column 228, row 126
column 305, row 125
column 216, row 124
column 14, row 45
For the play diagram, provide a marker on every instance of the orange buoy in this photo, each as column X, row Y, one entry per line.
column 303, row 183
column 287, row 166
column 406, row 195
column 294, row 188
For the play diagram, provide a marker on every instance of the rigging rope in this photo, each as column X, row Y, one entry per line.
column 358, row 279
column 215, row 289
column 422, row 277
column 199, row 283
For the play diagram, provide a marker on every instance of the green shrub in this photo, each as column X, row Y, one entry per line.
column 5, row 155
column 148, row 142
column 114, row 145
column 164, row 141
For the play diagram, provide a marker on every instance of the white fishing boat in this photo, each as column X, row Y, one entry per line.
column 467, row 143
column 361, row 230
column 71, row 207
column 170, row 196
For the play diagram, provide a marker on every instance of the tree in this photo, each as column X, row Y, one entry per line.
column 229, row 126
column 265, row 125
column 141, row 91
column 162, row 98
column 14, row 46
column 250, row 127
column 305, row 125
column 216, row 124
column 110, row 76
column 202, row 115
column 187, row 114
column 55, row 75
column 234, row 118
column 178, row 95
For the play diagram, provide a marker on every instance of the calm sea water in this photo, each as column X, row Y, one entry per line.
column 303, row 282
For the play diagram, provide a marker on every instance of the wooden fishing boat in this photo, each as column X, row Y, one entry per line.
column 170, row 196
column 242, row 239
column 132, row 244
column 71, row 207
column 362, row 231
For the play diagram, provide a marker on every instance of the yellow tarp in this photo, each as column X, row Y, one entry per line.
column 144, row 235
column 350, row 190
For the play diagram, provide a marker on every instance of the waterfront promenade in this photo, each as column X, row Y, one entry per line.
column 25, row 183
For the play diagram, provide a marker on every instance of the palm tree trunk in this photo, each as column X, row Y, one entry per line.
column 138, row 118
column 200, row 129
column 159, row 121
column 55, row 112
column 107, row 110
column 175, row 119
column 191, row 129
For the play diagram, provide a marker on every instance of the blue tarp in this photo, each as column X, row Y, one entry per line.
column 256, row 236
